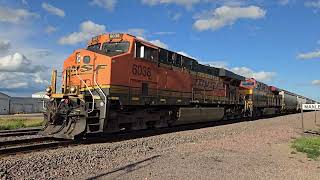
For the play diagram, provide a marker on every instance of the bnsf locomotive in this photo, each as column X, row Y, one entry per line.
column 122, row 83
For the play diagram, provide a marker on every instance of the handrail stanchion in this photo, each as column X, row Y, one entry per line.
column 104, row 95
column 88, row 90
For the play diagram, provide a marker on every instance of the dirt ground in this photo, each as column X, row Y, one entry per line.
column 261, row 151
column 248, row 150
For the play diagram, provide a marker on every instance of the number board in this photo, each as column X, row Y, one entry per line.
column 140, row 70
column 115, row 36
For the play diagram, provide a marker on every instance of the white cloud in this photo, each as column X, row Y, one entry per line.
column 227, row 15
column 21, row 80
column 19, row 63
column 107, row 4
column 4, row 47
column 53, row 10
column 50, row 29
column 264, row 76
column 88, row 29
column 176, row 16
column 15, row 16
column 164, row 33
column 218, row 64
column 142, row 38
column 249, row 73
column 309, row 55
column 186, row 54
column 316, row 82
column 137, row 32
column 312, row 3
column 26, row 71
column 283, row 2
column 141, row 34
column 24, row 2
column 157, row 42
column 185, row 3
column 18, row 72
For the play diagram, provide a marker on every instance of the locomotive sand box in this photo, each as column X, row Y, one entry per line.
column 122, row 83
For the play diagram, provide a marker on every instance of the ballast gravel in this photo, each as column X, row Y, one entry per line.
column 247, row 150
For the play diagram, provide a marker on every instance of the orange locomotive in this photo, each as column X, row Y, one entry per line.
column 121, row 83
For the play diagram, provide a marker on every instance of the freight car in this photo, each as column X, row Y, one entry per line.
column 289, row 101
column 122, row 83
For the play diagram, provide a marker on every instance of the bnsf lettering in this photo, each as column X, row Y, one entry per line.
column 141, row 70
column 203, row 83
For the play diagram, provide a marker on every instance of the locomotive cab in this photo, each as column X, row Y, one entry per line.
column 247, row 91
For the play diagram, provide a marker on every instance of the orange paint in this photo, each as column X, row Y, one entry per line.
column 126, row 70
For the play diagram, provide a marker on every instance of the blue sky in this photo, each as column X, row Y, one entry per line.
column 275, row 41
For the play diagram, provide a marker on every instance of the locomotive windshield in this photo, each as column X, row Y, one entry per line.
column 94, row 47
column 115, row 48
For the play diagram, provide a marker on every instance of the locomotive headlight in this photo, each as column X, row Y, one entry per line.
column 49, row 89
column 73, row 89
column 78, row 57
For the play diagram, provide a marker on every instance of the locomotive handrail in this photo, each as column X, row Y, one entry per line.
column 43, row 105
column 104, row 95
column 92, row 109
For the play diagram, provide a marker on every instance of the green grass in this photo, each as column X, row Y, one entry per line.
column 9, row 124
column 308, row 145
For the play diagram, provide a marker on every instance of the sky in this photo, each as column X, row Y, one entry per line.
column 274, row 41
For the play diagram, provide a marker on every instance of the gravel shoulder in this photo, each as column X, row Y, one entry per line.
column 247, row 150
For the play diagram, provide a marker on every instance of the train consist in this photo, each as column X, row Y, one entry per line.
column 122, row 83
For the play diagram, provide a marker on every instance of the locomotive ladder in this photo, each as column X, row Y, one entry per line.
column 87, row 87
column 94, row 117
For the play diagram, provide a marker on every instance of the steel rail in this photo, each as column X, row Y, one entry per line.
column 26, row 145
column 19, row 132
column 4, row 144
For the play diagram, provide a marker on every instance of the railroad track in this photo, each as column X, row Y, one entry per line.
column 41, row 143
column 19, row 132
column 26, row 145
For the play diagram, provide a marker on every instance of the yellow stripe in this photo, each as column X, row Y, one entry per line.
column 135, row 99
column 250, row 91
column 114, row 98
column 57, row 95
column 95, row 87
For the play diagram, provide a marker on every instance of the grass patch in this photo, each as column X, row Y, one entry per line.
column 9, row 124
column 308, row 145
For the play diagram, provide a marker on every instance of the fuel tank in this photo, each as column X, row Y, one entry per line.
column 196, row 115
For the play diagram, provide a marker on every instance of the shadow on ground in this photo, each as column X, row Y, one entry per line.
column 128, row 168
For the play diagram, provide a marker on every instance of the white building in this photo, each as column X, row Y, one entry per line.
column 4, row 103
column 14, row 105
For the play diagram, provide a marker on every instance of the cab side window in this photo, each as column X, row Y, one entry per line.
column 187, row 62
column 178, row 60
column 145, row 52
column 171, row 57
column 163, row 56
